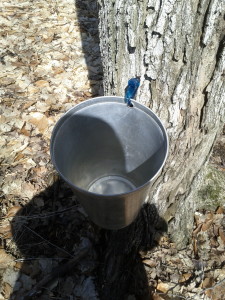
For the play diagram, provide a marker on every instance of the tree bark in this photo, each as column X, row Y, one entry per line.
column 178, row 50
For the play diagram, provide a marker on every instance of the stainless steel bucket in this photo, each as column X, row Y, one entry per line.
column 109, row 154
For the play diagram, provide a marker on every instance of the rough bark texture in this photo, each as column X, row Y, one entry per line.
column 178, row 49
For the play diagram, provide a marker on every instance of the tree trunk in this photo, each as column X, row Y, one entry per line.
column 177, row 48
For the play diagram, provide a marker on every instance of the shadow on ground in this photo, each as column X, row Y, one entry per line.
column 66, row 256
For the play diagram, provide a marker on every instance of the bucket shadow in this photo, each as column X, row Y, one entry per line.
column 87, row 14
column 66, row 256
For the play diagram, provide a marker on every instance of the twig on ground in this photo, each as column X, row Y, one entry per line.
column 39, row 258
column 42, row 216
column 59, row 248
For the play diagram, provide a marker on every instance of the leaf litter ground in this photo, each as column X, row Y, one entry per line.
column 49, row 248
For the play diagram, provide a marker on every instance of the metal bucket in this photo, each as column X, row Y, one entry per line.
column 109, row 154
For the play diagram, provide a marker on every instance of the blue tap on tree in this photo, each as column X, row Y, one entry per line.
column 131, row 90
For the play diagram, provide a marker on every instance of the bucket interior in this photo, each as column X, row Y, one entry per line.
column 108, row 148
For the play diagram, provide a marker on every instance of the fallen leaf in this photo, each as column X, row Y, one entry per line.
column 18, row 63
column 58, row 70
column 221, row 234
column 149, row 262
column 19, row 265
column 42, row 83
column 48, row 40
column 28, row 104
column 157, row 297
column 19, row 156
column 7, row 289
column 185, row 277
column 209, row 215
column 40, row 120
column 163, row 287
column 88, row 94
column 207, row 282
column 218, row 219
column 28, row 190
column 213, row 242
column 215, row 230
column 24, row 131
column 13, row 211
column 5, row 229
column 206, row 225
column 40, row 171
column 220, row 210
column 4, row 81
column 2, row 119
column 6, row 259
column 218, row 292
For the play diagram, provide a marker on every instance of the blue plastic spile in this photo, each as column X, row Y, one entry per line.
column 131, row 90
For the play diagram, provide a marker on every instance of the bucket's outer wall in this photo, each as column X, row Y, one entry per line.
column 123, row 208
column 118, row 210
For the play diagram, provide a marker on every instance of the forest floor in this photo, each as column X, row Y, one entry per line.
column 50, row 61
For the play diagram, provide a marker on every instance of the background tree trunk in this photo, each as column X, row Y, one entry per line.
column 177, row 47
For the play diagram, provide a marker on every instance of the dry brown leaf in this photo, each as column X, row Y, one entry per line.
column 207, row 282
column 220, row 210
column 13, row 211
column 88, row 94
column 218, row 219
column 157, row 297
column 213, row 242
column 4, row 81
column 206, row 225
column 185, row 277
column 48, row 40
column 175, row 260
column 208, row 293
column 19, row 265
column 24, row 131
column 18, row 63
column 221, row 234
column 19, row 156
column 28, row 104
column 5, row 229
column 28, row 190
column 40, row 171
column 2, row 119
column 173, row 245
column 209, row 215
column 218, row 293
column 6, row 259
column 33, row 89
column 7, row 289
column 58, row 70
column 42, row 83
column 40, row 120
column 163, row 287
column 216, row 230
column 149, row 262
